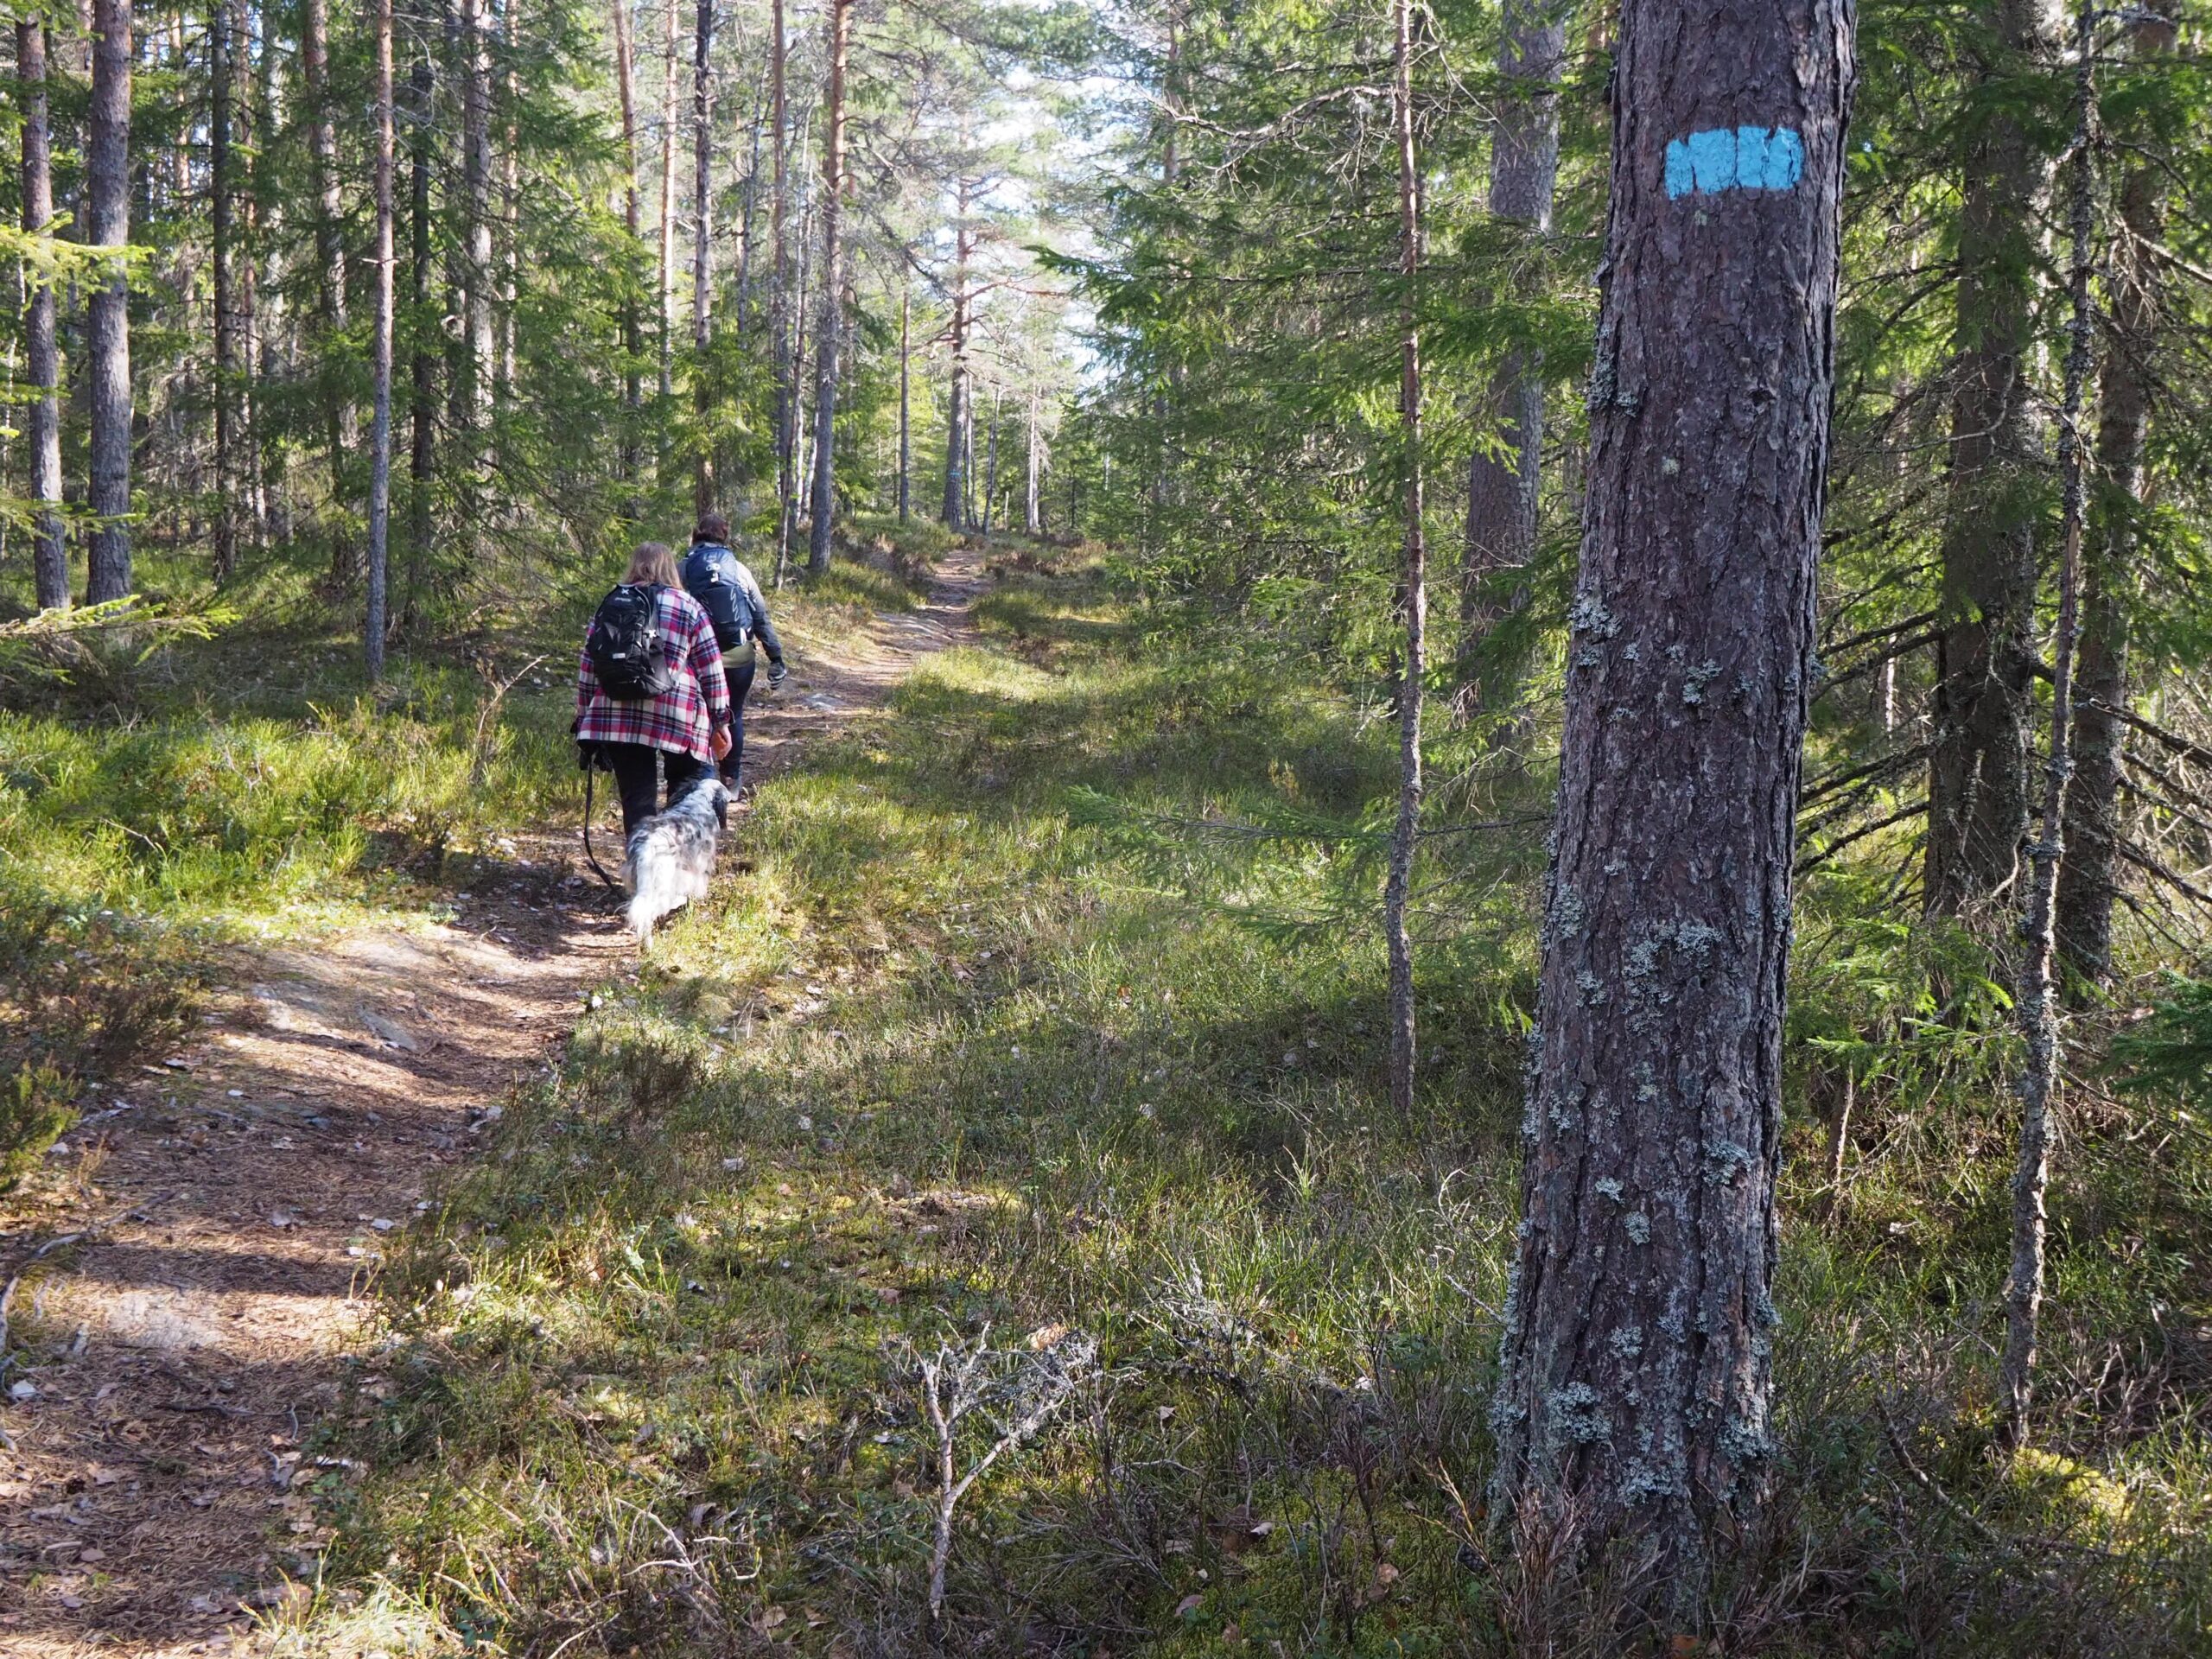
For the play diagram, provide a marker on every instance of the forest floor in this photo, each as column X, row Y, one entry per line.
column 212, row 1247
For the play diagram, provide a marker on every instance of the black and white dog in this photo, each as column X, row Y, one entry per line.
column 673, row 854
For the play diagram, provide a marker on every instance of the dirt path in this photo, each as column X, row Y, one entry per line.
column 231, row 1203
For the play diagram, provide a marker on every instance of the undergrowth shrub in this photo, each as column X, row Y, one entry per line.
column 34, row 1112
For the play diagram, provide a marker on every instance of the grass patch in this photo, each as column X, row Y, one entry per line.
column 1051, row 1012
column 165, row 800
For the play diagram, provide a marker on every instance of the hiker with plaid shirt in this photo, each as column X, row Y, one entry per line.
column 685, row 730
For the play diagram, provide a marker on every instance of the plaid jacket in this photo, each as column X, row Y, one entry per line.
column 685, row 719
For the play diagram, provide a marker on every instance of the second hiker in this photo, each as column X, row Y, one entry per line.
column 726, row 591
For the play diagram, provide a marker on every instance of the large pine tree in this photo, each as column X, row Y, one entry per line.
column 1634, row 1399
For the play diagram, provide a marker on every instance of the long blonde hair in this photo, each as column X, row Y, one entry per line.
column 653, row 563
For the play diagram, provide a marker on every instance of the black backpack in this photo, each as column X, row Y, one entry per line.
column 629, row 652
column 721, row 599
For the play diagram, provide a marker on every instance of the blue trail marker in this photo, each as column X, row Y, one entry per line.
column 1735, row 158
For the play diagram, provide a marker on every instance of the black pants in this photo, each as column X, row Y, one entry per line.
column 636, row 767
column 740, row 674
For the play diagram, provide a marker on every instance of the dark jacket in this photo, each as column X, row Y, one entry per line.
column 717, row 578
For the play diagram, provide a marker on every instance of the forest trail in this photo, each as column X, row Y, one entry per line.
column 230, row 1206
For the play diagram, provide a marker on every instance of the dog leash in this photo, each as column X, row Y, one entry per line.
column 591, row 769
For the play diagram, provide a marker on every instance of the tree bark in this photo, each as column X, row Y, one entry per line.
column 49, row 539
column 422, row 449
column 223, row 47
column 2035, row 1002
column 905, row 398
column 245, row 289
column 668, row 205
column 341, row 421
column 374, row 625
column 2088, row 877
column 1503, row 491
column 829, row 331
column 956, row 417
column 991, row 460
column 1985, row 654
column 510, row 210
column 478, row 366
column 779, row 296
column 702, row 222
column 1412, row 589
column 633, row 333
column 1033, row 516
column 107, row 179
column 1632, row 1409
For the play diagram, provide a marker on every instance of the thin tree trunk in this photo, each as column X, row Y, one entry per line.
column 423, row 456
column 1839, row 1142
column 905, row 398
column 829, row 332
column 991, row 460
column 478, row 364
column 107, row 181
column 703, row 210
column 49, row 539
column 223, row 45
column 633, row 333
column 2037, row 1002
column 779, row 297
column 245, row 284
column 373, row 628
column 1502, row 490
column 749, row 203
column 668, row 205
column 510, row 210
column 1985, row 655
column 1413, row 579
column 2089, row 877
column 1032, row 513
column 341, row 421
column 1633, row 1402
column 955, row 472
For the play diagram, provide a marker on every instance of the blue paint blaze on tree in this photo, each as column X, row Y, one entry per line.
column 1738, row 158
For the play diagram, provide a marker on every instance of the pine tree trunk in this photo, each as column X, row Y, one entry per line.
column 477, row 363
column 1502, row 491
column 749, row 202
column 107, row 189
column 633, row 333
column 245, row 286
column 668, row 206
column 341, row 421
column 702, row 220
column 223, row 46
column 374, row 625
column 2089, row 877
column 1412, row 589
column 829, row 331
column 779, row 296
column 1033, row 516
column 956, row 415
column 1633, row 1399
column 906, row 399
column 1985, row 655
column 49, row 539
column 991, row 462
column 510, row 212
column 422, row 447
